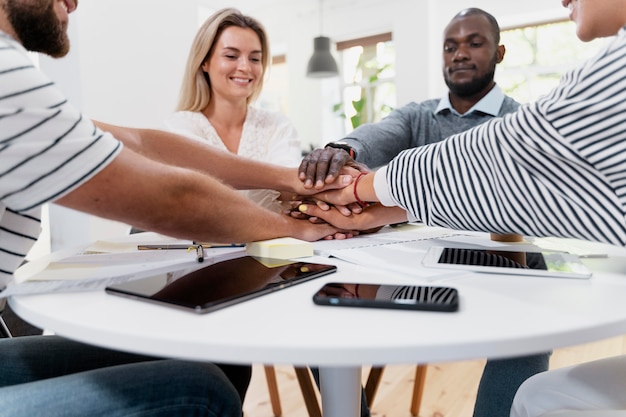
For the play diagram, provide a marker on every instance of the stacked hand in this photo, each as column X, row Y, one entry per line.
column 323, row 166
column 337, row 205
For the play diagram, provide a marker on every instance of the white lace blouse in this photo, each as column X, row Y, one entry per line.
column 266, row 136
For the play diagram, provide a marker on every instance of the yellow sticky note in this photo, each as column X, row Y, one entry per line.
column 280, row 248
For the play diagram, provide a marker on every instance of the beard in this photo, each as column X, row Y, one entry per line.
column 474, row 87
column 38, row 29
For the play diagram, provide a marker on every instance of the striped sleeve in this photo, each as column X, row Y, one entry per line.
column 46, row 147
column 554, row 168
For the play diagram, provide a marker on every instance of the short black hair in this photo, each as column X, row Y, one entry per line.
column 495, row 28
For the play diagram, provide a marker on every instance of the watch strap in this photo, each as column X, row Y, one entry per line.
column 344, row 146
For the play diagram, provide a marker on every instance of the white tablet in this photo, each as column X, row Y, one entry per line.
column 548, row 263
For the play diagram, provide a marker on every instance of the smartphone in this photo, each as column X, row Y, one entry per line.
column 404, row 297
column 545, row 264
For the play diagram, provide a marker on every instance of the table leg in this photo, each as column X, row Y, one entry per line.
column 341, row 391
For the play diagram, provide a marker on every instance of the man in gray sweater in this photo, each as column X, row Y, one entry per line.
column 471, row 51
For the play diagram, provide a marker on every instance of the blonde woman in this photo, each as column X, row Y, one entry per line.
column 224, row 75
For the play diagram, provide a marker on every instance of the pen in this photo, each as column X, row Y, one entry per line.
column 199, row 253
column 163, row 247
column 199, row 249
column 187, row 246
column 219, row 245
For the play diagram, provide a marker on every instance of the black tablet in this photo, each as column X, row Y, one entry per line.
column 545, row 264
column 203, row 289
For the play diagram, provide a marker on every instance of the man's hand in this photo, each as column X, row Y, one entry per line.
column 312, row 231
column 322, row 166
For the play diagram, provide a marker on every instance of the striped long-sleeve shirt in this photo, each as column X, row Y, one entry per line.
column 556, row 167
column 47, row 149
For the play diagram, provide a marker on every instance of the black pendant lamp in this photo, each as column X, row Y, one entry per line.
column 322, row 64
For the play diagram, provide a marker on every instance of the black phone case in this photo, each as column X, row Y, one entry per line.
column 447, row 304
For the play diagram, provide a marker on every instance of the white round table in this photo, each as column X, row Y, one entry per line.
column 499, row 316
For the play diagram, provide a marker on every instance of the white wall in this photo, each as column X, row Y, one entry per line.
column 128, row 58
column 132, row 57
column 124, row 67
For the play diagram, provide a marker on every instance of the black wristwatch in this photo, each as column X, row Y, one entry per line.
column 344, row 146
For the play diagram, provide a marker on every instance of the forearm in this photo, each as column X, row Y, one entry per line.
column 234, row 170
column 377, row 215
column 504, row 185
column 363, row 189
column 181, row 203
column 375, row 144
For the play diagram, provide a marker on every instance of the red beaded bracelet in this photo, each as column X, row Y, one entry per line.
column 356, row 196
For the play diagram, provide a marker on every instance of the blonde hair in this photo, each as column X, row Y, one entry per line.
column 195, row 91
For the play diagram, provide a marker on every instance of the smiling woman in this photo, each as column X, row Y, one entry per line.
column 224, row 75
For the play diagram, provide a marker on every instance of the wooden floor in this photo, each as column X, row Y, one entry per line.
column 450, row 388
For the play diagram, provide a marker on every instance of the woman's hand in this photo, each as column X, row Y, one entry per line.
column 371, row 217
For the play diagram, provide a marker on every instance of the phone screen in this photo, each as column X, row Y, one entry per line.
column 527, row 263
column 406, row 297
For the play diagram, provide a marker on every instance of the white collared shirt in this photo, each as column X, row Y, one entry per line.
column 490, row 104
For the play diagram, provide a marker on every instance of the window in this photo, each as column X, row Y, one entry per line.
column 537, row 57
column 368, row 87
column 275, row 93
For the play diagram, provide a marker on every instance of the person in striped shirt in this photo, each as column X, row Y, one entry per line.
column 49, row 152
column 555, row 167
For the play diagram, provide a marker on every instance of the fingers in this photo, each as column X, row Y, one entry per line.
column 322, row 166
column 304, row 174
column 336, row 159
column 332, row 216
column 355, row 208
column 342, row 181
column 310, row 167
column 348, row 210
column 322, row 204
column 337, row 197
column 337, row 235
column 345, row 235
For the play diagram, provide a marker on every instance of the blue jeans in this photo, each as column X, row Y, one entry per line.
column 54, row 377
column 501, row 379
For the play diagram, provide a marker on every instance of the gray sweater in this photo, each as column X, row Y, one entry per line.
column 413, row 125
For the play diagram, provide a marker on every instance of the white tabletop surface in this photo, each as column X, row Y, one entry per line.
column 499, row 316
